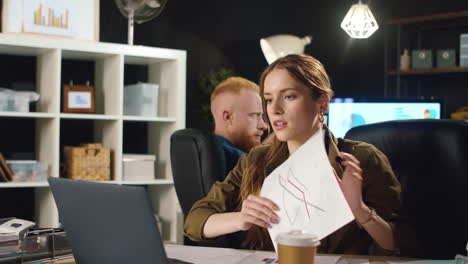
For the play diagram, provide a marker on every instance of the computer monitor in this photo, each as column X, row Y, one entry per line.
column 344, row 114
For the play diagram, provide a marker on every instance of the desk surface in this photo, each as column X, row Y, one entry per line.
column 207, row 255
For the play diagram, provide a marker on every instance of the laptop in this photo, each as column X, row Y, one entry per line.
column 108, row 223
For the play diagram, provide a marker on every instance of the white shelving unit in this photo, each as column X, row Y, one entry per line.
column 167, row 67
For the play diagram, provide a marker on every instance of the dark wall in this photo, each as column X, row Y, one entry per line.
column 227, row 33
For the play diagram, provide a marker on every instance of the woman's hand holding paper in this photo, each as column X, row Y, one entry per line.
column 259, row 211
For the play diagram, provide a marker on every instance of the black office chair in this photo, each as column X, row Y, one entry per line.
column 197, row 161
column 430, row 158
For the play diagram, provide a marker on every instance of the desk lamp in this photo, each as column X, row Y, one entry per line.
column 278, row 46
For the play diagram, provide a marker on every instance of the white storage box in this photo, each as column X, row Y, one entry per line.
column 14, row 101
column 28, row 170
column 463, row 39
column 141, row 99
column 138, row 167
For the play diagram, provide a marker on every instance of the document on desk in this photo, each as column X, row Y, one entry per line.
column 354, row 260
column 307, row 192
column 205, row 255
column 260, row 257
column 264, row 257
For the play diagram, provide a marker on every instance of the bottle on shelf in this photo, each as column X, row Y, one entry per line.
column 405, row 60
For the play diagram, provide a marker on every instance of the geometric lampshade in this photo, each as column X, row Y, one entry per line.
column 359, row 21
column 278, row 46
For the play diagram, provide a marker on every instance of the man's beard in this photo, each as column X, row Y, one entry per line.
column 246, row 143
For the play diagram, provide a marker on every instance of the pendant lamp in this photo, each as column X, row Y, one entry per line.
column 359, row 21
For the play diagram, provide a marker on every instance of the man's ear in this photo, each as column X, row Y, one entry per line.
column 227, row 116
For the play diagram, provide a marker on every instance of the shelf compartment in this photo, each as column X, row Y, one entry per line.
column 167, row 74
column 102, row 72
column 106, row 132
column 31, row 139
column 40, row 74
column 150, row 138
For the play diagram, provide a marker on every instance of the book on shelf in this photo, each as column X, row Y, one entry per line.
column 6, row 174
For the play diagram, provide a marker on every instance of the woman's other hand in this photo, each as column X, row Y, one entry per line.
column 351, row 181
column 351, row 186
column 258, row 211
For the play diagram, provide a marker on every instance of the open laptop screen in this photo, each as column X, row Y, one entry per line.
column 108, row 223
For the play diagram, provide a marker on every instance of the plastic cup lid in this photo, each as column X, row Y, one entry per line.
column 297, row 238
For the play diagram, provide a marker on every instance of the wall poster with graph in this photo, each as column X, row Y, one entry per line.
column 51, row 17
column 75, row 19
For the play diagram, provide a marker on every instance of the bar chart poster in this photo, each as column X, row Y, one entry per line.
column 53, row 17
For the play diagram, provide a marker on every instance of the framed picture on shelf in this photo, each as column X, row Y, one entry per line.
column 78, row 99
column 74, row 19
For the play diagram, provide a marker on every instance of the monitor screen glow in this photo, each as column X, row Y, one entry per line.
column 344, row 115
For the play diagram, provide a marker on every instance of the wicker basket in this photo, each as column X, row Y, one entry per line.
column 89, row 162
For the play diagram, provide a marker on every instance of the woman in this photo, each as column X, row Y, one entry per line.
column 296, row 92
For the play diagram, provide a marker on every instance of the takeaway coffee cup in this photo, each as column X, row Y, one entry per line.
column 297, row 247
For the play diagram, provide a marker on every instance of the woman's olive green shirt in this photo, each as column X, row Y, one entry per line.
column 380, row 190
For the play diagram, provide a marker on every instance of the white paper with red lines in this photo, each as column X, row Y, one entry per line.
column 307, row 192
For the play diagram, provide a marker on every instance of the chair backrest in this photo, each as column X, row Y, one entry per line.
column 197, row 160
column 430, row 158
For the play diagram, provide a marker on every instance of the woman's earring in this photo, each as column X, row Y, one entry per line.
column 321, row 118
